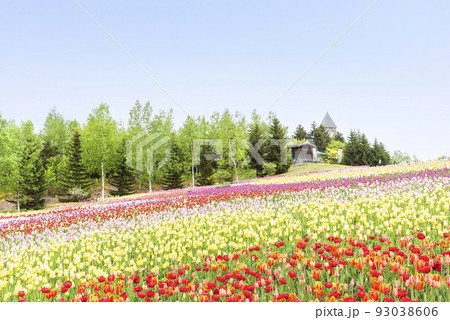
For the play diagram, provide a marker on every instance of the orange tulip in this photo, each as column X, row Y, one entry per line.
column 315, row 274
column 385, row 288
column 374, row 295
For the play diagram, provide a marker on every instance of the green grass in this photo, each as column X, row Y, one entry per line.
column 309, row 167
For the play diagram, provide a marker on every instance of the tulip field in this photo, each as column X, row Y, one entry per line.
column 352, row 234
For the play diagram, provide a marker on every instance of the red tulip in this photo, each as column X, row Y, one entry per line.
column 349, row 299
column 292, row 274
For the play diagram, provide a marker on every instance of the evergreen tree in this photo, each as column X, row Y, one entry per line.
column 321, row 138
column 47, row 153
column 312, row 132
column 339, row 137
column 385, row 156
column 351, row 151
column 173, row 171
column 256, row 136
column 32, row 182
column 123, row 178
column 74, row 175
column 300, row 133
column 377, row 153
column 207, row 167
column 365, row 151
column 277, row 150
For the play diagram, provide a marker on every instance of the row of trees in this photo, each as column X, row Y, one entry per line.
column 358, row 151
column 69, row 160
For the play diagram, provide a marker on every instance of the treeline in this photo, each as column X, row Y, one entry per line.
column 70, row 161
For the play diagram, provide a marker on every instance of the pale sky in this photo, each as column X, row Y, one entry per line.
column 388, row 76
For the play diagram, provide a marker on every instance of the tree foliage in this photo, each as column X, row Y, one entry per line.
column 277, row 151
column 300, row 133
column 9, row 160
column 123, row 178
column 207, row 166
column 173, row 170
column 358, row 151
column 256, row 138
column 31, row 183
column 321, row 138
column 402, row 157
column 74, row 174
column 99, row 140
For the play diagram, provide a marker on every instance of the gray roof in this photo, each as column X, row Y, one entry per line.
column 327, row 122
column 305, row 144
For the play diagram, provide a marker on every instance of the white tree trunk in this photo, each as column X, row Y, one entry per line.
column 103, row 183
column 150, row 185
column 18, row 204
column 193, row 177
column 235, row 170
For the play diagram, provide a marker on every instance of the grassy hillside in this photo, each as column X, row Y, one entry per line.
column 309, row 167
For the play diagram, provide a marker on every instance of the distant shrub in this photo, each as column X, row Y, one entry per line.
column 77, row 194
column 269, row 169
column 222, row 176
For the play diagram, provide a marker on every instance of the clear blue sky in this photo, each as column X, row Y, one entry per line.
column 388, row 76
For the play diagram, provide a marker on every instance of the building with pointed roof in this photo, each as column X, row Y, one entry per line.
column 329, row 124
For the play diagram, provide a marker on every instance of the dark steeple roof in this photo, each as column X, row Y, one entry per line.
column 327, row 122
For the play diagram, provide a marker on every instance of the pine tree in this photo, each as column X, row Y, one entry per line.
column 173, row 173
column 74, row 175
column 278, row 149
column 312, row 131
column 321, row 138
column 47, row 152
column 339, row 137
column 32, row 183
column 123, row 178
column 300, row 133
column 381, row 156
column 207, row 167
column 256, row 135
column 366, row 152
column 385, row 156
column 351, row 151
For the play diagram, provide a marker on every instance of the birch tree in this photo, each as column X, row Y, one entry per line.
column 99, row 140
